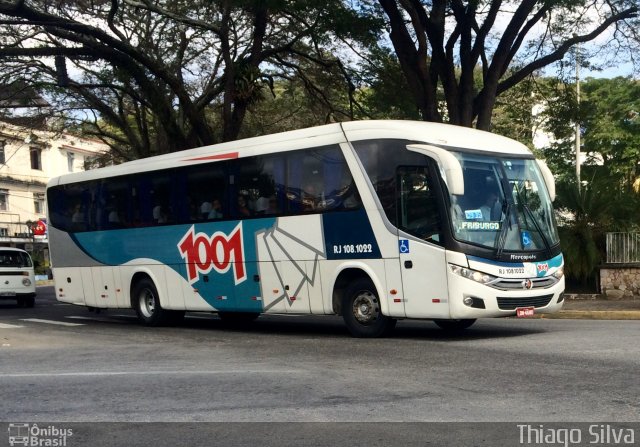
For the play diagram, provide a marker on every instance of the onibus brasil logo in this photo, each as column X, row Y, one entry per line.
column 220, row 252
column 38, row 436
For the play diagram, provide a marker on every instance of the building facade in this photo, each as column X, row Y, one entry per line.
column 28, row 159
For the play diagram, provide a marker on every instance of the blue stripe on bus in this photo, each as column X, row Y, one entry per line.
column 348, row 235
column 496, row 263
column 118, row 247
column 190, row 250
column 542, row 267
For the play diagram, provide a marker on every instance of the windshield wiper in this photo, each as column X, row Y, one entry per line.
column 502, row 238
column 538, row 229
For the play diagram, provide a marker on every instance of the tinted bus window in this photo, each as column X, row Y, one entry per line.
column 304, row 181
column 72, row 207
column 319, row 180
column 207, row 192
column 381, row 159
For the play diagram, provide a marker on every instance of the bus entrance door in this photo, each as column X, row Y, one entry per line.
column 422, row 259
column 424, row 280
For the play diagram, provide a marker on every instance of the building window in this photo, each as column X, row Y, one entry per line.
column 36, row 158
column 2, row 147
column 70, row 160
column 38, row 202
column 4, row 199
column 4, row 232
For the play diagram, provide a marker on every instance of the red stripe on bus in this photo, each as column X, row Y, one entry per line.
column 229, row 156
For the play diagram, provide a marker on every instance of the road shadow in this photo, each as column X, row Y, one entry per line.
column 329, row 326
column 333, row 326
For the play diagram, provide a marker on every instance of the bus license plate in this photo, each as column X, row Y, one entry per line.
column 524, row 312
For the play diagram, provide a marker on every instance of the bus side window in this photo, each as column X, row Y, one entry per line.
column 259, row 182
column 71, row 206
column 206, row 184
column 319, row 180
column 417, row 204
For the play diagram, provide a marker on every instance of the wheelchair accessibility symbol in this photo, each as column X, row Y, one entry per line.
column 404, row 245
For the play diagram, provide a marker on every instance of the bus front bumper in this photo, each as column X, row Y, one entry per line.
column 469, row 299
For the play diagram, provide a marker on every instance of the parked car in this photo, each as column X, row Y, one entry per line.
column 17, row 278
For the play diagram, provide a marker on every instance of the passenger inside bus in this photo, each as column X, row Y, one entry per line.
column 160, row 214
column 242, row 208
column 491, row 208
column 205, row 209
column 216, row 210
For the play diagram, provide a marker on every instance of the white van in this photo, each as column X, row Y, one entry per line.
column 17, row 279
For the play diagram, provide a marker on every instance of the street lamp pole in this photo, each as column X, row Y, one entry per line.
column 578, row 115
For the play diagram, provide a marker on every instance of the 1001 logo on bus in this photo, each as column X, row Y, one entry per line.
column 219, row 252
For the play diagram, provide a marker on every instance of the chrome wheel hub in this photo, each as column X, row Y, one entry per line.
column 147, row 303
column 365, row 307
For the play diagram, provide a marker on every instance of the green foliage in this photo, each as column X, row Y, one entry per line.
column 581, row 253
column 387, row 95
column 580, row 227
column 609, row 116
column 512, row 114
column 586, row 215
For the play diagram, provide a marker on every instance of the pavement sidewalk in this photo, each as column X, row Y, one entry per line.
column 597, row 307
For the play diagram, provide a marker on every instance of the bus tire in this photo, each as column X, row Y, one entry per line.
column 361, row 311
column 146, row 303
column 455, row 325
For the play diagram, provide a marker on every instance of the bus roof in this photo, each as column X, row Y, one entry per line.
column 430, row 133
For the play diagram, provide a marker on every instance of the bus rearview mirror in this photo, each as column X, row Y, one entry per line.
column 448, row 164
column 548, row 178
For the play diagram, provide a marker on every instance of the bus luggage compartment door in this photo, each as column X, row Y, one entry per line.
column 294, row 278
column 104, row 287
column 69, row 289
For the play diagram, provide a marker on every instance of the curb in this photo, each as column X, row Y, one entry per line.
column 41, row 283
column 593, row 315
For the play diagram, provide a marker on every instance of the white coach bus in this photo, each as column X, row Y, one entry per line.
column 372, row 220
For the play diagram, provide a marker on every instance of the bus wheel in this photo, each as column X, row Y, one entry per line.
column 361, row 311
column 454, row 325
column 147, row 304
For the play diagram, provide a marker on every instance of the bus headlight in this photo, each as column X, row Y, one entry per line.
column 559, row 273
column 474, row 275
column 26, row 282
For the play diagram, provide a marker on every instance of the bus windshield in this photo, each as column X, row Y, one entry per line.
column 506, row 205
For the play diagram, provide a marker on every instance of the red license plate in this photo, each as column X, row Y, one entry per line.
column 524, row 312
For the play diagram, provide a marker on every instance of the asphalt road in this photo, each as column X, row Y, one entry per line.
column 62, row 363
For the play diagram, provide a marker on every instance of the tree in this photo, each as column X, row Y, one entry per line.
column 161, row 76
column 385, row 93
column 609, row 117
column 444, row 46
column 301, row 99
column 610, row 133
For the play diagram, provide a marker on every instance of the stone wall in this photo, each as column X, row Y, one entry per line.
column 620, row 281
